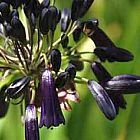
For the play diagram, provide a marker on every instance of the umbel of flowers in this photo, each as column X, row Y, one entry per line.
column 38, row 72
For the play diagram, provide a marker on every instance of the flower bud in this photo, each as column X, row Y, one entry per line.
column 65, row 19
column 79, row 65
column 100, row 72
column 16, row 3
column 127, row 84
column 43, row 21
column 31, row 123
column 55, row 58
column 79, row 8
column 86, row 6
column 118, row 101
column 72, row 71
column 64, row 42
column 77, row 5
column 4, row 105
column 4, row 9
column 53, row 17
column 16, row 89
column 103, row 100
column 32, row 6
column 62, row 79
column 77, row 34
column 113, row 54
column 18, row 30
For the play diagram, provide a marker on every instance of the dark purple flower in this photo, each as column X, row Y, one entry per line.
column 55, row 58
column 17, row 88
column 77, row 33
column 71, row 69
column 51, row 114
column 118, row 100
column 103, row 100
column 100, row 72
column 4, row 105
column 103, row 77
column 18, row 30
column 4, row 10
column 106, row 49
column 127, row 84
column 64, row 42
column 113, row 54
column 79, row 8
column 43, row 21
column 31, row 123
column 62, row 79
column 65, row 19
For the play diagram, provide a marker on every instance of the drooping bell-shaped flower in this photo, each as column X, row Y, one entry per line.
column 51, row 114
column 31, row 123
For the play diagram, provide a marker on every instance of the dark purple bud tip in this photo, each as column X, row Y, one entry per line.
column 18, row 29
column 77, row 5
column 126, row 77
column 55, row 58
column 79, row 8
column 51, row 114
column 71, row 69
column 62, row 79
column 53, row 17
column 127, row 84
column 77, row 34
column 31, row 124
column 65, row 19
column 32, row 6
column 79, row 65
column 103, row 100
column 86, row 6
column 64, row 42
column 17, row 88
column 100, row 72
column 113, row 54
column 4, row 9
column 43, row 21
column 4, row 105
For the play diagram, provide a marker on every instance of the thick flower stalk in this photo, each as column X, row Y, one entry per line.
column 39, row 72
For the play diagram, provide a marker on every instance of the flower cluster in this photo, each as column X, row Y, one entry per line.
column 38, row 71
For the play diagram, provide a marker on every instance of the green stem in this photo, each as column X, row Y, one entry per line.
column 11, row 66
column 83, row 80
column 70, row 30
column 53, row 2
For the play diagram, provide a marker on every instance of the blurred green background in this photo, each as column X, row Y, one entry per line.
column 120, row 19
